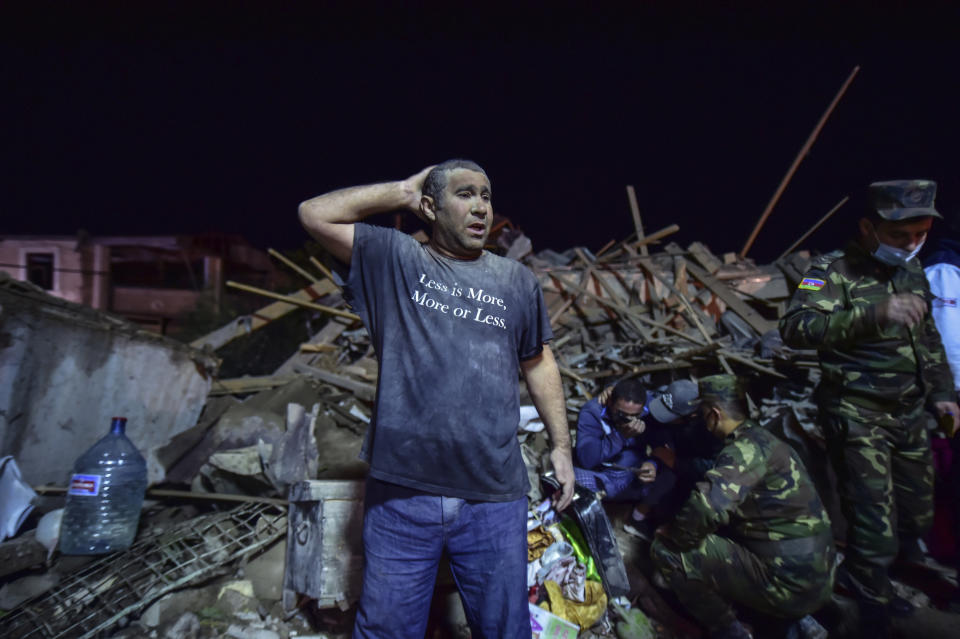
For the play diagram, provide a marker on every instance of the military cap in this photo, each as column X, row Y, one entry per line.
column 904, row 199
column 720, row 388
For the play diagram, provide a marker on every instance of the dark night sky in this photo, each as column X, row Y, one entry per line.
column 226, row 116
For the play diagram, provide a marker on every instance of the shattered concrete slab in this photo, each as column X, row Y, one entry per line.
column 66, row 369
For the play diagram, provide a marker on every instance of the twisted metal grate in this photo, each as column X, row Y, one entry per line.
column 99, row 595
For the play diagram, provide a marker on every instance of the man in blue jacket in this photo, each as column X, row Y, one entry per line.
column 624, row 456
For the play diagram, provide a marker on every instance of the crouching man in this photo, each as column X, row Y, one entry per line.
column 618, row 452
column 753, row 533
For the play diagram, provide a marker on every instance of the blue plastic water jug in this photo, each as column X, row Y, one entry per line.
column 105, row 496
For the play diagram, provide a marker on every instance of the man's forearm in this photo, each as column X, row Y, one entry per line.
column 543, row 382
column 353, row 204
column 546, row 390
column 329, row 218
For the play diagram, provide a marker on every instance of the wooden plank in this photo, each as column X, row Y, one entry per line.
column 21, row 553
column 323, row 269
column 637, row 224
column 246, row 324
column 293, row 300
column 733, row 302
column 240, row 385
column 813, row 228
column 330, row 331
column 364, row 391
column 587, row 274
column 707, row 260
column 650, row 268
column 804, row 150
column 606, row 287
column 292, row 265
column 655, row 237
column 752, row 364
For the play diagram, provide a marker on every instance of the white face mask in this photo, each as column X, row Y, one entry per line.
column 892, row 255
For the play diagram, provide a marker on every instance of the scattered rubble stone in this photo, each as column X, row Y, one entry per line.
column 624, row 311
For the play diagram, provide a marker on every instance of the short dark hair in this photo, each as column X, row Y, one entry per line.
column 735, row 410
column 631, row 390
column 436, row 180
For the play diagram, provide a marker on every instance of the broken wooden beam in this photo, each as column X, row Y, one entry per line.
column 813, row 228
column 637, row 224
column 656, row 237
column 364, row 391
column 246, row 324
column 293, row 300
column 323, row 269
column 21, row 553
column 291, row 265
column 241, row 385
column 804, row 150
column 737, row 305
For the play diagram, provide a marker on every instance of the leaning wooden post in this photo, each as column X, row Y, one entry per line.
column 796, row 162
column 280, row 256
column 293, row 300
column 813, row 228
column 635, row 211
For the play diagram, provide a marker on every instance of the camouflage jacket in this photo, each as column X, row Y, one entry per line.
column 757, row 491
column 864, row 364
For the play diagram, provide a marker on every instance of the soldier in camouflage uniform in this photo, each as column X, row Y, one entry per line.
column 754, row 532
column 866, row 310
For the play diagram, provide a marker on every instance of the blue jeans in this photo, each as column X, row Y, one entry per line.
column 405, row 532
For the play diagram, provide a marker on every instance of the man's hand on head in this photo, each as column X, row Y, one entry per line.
column 413, row 187
column 605, row 395
column 902, row 308
column 562, row 462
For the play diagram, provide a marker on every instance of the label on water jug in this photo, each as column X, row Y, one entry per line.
column 85, row 485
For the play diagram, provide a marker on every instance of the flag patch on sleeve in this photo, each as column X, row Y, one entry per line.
column 811, row 284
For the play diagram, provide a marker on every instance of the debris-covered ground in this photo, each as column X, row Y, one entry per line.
column 233, row 543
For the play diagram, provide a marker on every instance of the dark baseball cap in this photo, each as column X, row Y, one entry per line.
column 679, row 399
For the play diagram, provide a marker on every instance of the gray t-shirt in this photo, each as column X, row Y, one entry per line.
column 449, row 335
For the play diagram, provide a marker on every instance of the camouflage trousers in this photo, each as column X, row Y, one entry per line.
column 885, row 476
column 786, row 579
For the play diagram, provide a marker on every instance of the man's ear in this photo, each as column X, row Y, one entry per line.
column 712, row 411
column 428, row 209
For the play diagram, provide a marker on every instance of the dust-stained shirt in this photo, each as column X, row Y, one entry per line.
column 449, row 336
column 757, row 491
column 864, row 364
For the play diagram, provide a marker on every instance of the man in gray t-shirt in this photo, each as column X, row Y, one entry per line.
column 453, row 327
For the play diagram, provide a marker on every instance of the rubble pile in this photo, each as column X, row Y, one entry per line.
column 261, row 440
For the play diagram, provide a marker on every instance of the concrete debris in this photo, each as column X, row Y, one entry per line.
column 108, row 590
column 169, row 610
column 14, row 593
column 66, row 369
column 624, row 311
column 186, row 627
column 265, row 572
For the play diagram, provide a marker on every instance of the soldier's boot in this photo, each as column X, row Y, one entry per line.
column 874, row 621
column 735, row 630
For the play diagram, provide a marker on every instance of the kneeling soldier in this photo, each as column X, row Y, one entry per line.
column 753, row 532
